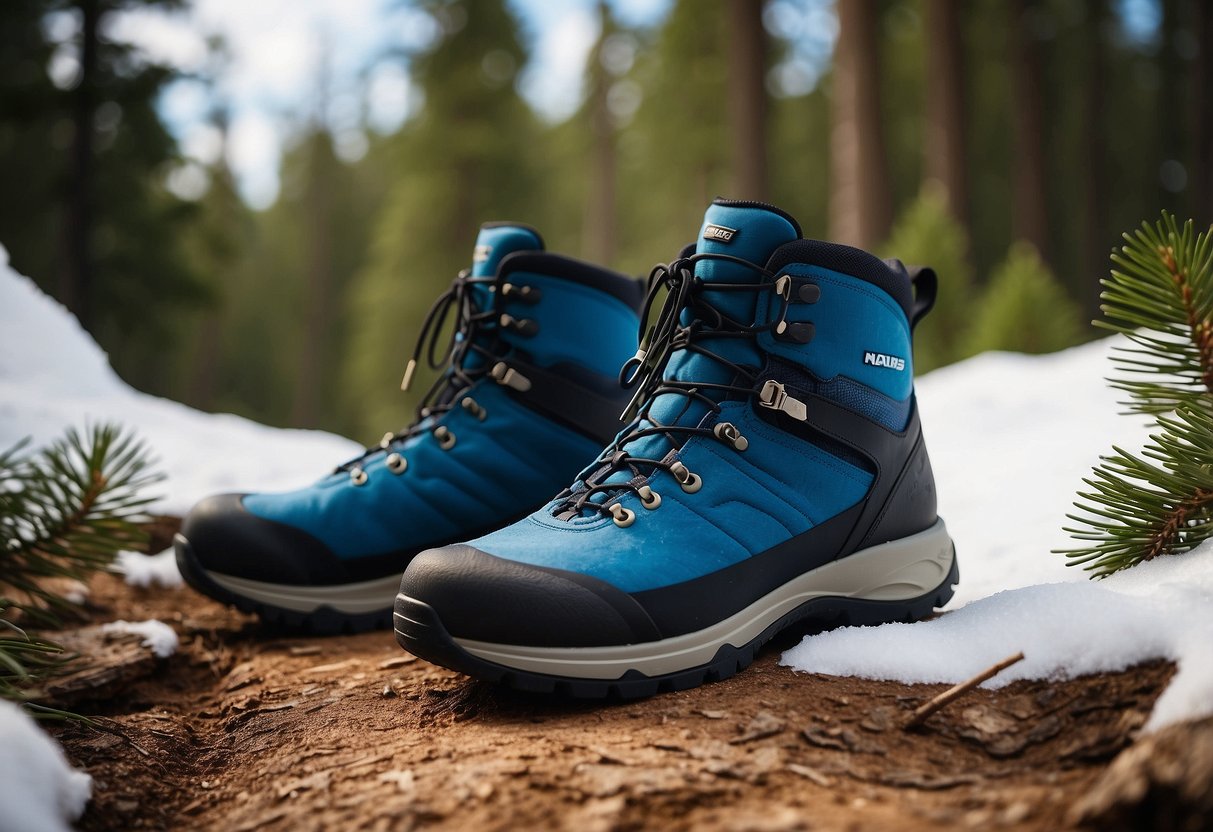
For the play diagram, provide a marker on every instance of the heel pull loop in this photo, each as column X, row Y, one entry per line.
column 926, row 285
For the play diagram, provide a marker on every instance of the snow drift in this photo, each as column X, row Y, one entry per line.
column 53, row 375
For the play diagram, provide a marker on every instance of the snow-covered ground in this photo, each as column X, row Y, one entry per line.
column 54, row 376
column 1010, row 438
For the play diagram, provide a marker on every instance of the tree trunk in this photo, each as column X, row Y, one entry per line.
column 945, row 133
column 1202, row 110
column 76, row 277
column 304, row 410
column 1096, row 243
column 1170, row 113
column 1029, row 205
column 599, row 229
column 748, row 99
column 860, row 201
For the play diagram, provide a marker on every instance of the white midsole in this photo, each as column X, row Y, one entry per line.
column 899, row 570
column 352, row 599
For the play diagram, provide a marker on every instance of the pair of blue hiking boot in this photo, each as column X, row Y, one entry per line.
column 770, row 470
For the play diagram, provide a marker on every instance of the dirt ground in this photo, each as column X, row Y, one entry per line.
column 244, row 729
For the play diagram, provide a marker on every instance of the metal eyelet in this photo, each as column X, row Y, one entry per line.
column 446, row 439
column 526, row 294
column 396, row 463
column 728, row 433
column 472, row 406
column 622, row 517
column 386, row 440
column 523, row 326
column 358, row 476
column 649, row 498
column 689, row 482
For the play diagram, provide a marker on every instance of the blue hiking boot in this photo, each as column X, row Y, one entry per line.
column 529, row 393
column 774, row 472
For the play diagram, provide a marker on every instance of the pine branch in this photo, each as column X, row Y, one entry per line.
column 1160, row 297
column 1140, row 507
column 65, row 512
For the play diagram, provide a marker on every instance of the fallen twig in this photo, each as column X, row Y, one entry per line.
column 953, row 693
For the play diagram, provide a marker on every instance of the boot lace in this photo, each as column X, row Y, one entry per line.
column 687, row 298
column 457, row 372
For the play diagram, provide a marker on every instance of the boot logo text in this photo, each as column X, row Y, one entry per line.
column 880, row 359
column 719, row 233
column 481, row 253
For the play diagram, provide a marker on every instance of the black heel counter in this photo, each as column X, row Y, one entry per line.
column 912, row 505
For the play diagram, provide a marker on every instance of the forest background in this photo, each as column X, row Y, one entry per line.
column 1007, row 143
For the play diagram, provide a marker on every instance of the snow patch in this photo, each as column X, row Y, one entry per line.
column 145, row 571
column 159, row 637
column 1011, row 437
column 53, row 376
column 39, row 790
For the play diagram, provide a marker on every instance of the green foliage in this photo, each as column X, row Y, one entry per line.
column 1160, row 296
column 1161, row 501
column 1024, row 309
column 926, row 234
column 64, row 513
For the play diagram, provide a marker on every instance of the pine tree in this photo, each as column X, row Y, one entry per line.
column 64, row 513
column 1024, row 309
column 1139, row 506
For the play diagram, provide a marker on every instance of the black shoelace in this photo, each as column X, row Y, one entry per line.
column 455, row 376
column 645, row 371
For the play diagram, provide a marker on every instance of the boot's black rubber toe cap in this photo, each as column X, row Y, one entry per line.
column 226, row 538
column 486, row 598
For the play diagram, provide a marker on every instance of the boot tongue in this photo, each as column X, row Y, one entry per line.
column 496, row 240
column 493, row 243
column 751, row 232
column 746, row 230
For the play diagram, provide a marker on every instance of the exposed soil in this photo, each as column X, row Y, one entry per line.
column 245, row 729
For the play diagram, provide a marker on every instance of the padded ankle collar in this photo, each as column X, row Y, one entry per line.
column 892, row 280
column 626, row 289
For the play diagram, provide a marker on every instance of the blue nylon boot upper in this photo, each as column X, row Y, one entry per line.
column 505, row 457
column 781, row 485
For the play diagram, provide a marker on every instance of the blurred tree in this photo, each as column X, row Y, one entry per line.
column 1031, row 216
column 1024, row 309
column 860, row 203
column 1202, row 109
column 927, row 234
column 1095, row 234
column 748, row 99
column 676, row 156
column 462, row 161
column 86, row 165
column 599, row 236
column 944, row 142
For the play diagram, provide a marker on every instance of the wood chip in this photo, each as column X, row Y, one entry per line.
column 398, row 661
column 761, row 726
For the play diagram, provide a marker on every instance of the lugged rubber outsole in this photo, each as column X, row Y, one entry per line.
column 323, row 621
column 420, row 631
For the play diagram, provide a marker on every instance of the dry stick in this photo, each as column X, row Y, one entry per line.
column 956, row 692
